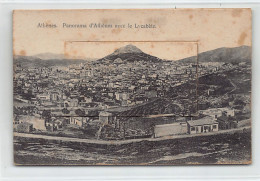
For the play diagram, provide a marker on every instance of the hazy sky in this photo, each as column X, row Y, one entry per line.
column 163, row 50
column 211, row 28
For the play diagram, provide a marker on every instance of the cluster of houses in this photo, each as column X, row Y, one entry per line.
column 117, row 84
column 210, row 120
column 121, row 84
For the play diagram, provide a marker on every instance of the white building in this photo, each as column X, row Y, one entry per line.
column 203, row 125
column 170, row 129
column 217, row 112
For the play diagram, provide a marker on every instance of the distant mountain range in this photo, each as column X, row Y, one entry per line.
column 228, row 55
column 132, row 53
column 31, row 61
column 48, row 56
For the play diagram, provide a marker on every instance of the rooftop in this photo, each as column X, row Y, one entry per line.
column 203, row 121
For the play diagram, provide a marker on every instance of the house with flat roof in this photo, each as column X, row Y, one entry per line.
column 105, row 117
column 217, row 112
column 170, row 129
column 202, row 125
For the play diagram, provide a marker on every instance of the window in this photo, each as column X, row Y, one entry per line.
column 192, row 129
column 214, row 126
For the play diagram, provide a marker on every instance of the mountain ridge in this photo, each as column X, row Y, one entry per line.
column 30, row 61
column 129, row 53
column 223, row 54
column 132, row 53
column 127, row 49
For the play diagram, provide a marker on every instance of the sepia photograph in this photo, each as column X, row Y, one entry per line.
column 148, row 87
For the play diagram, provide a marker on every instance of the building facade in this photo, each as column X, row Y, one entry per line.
column 202, row 125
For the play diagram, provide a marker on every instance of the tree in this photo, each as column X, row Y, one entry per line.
column 46, row 114
column 239, row 102
column 80, row 112
column 67, row 93
column 28, row 96
column 65, row 111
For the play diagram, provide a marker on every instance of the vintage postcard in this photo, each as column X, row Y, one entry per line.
column 132, row 87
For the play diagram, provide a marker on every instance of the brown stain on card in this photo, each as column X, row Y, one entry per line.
column 110, row 20
column 48, row 22
column 67, row 55
column 92, row 36
column 104, row 20
column 116, row 31
column 157, row 21
column 22, row 52
column 242, row 38
column 116, row 48
column 236, row 13
column 80, row 34
column 190, row 17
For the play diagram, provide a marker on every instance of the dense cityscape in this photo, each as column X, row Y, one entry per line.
column 116, row 98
